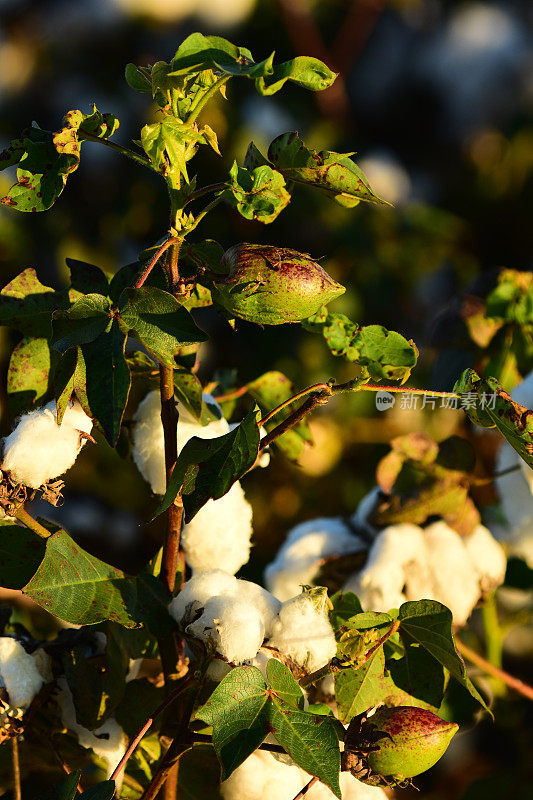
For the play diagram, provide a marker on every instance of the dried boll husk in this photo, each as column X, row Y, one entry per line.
column 272, row 285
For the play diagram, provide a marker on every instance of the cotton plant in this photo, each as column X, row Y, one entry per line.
column 185, row 652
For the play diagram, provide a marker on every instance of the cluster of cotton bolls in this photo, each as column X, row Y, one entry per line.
column 263, row 777
column 238, row 616
column 38, row 449
column 515, row 489
column 404, row 562
column 220, row 533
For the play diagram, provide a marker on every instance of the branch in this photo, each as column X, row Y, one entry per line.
column 198, row 106
column 319, row 398
column 169, row 761
column 317, row 387
column 31, row 523
column 306, row 788
column 490, row 669
column 153, row 261
column 212, row 187
column 118, row 148
column 15, row 763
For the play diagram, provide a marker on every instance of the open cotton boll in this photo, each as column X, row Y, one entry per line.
column 399, row 551
column 267, row 605
column 148, row 451
column 303, row 633
column 455, row 581
column 198, row 589
column 18, row 673
column 487, row 558
column 299, row 558
column 235, row 627
column 220, row 533
column 108, row 742
column 39, row 449
column 351, row 789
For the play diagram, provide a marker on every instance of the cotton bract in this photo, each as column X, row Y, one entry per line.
column 263, row 777
column 19, row 673
column 39, row 449
column 301, row 555
column 304, row 633
column 220, row 532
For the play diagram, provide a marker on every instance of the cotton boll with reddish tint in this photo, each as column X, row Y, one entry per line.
column 301, row 555
column 304, row 633
column 39, row 449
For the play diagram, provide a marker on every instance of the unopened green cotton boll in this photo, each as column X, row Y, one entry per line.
column 416, row 740
column 272, row 285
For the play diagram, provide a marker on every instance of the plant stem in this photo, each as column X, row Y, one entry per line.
column 306, row 788
column 490, row 669
column 318, row 398
column 209, row 207
column 371, row 387
column 317, row 387
column 31, row 523
column 170, row 759
column 118, row 148
column 493, row 638
column 153, row 261
column 15, row 761
column 234, row 395
column 211, row 187
column 269, row 748
column 198, row 106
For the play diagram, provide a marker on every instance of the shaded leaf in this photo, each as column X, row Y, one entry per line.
column 383, row 354
column 69, row 379
column 257, row 194
column 27, row 305
column 157, row 320
column 136, row 79
column 86, row 279
column 335, row 173
column 208, row 468
column 270, row 390
column 66, row 790
column 429, row 624
column 84, row 322
column 189, row 391
column 102, row 791
column 21, row 553
column 28, row 375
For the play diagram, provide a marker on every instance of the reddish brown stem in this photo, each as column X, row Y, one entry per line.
column 153, row 261
column 15, row 761
column 170, row 760
column 306, row 788
column 490, row 669
column 318, row 398
column 169, row 418
column 234, row 395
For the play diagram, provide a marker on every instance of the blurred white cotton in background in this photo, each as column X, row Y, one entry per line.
column 388, row 178
column 19, row 673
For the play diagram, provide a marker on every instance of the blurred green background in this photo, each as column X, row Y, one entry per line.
column 435, row 97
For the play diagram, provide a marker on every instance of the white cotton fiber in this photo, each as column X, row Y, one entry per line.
column 365, row 509
column 455, row 581
column 39, row 449
column 263, row 777
column 108, row 742
column 398, row 552
column 234, row 626
column 487, row 558
column 148, row 440
column 197, row 591
column 267, row 605
column 303, row 633
column 19, row 673
column 220, row 533
column 301, row 555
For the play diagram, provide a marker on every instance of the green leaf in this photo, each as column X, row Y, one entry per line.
column 357, row 690
column 21, row 553
column 282, row 681
column 86, row 279
column 199, row 774
column 512, row 298
column 235, row 711
column 429, row 624
column 126, row 276
column 107, row 380
column 270, row 390
column 83, row 590
column 334, row 173
column 157, row 320
column 311, row 741
column 345, row 606
column 136, row 79
column 84, row 322
column 420, row 676
column 383, row 354
column 102, row 791
column 27, row 305
column 208, row 468
column 66, row 790
column 257, row 194
column 207, row 254
column 166, row 143
column 305, row 71
column 28, row 376
column 189, row 391
column 69, row 379
column 489, row 406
